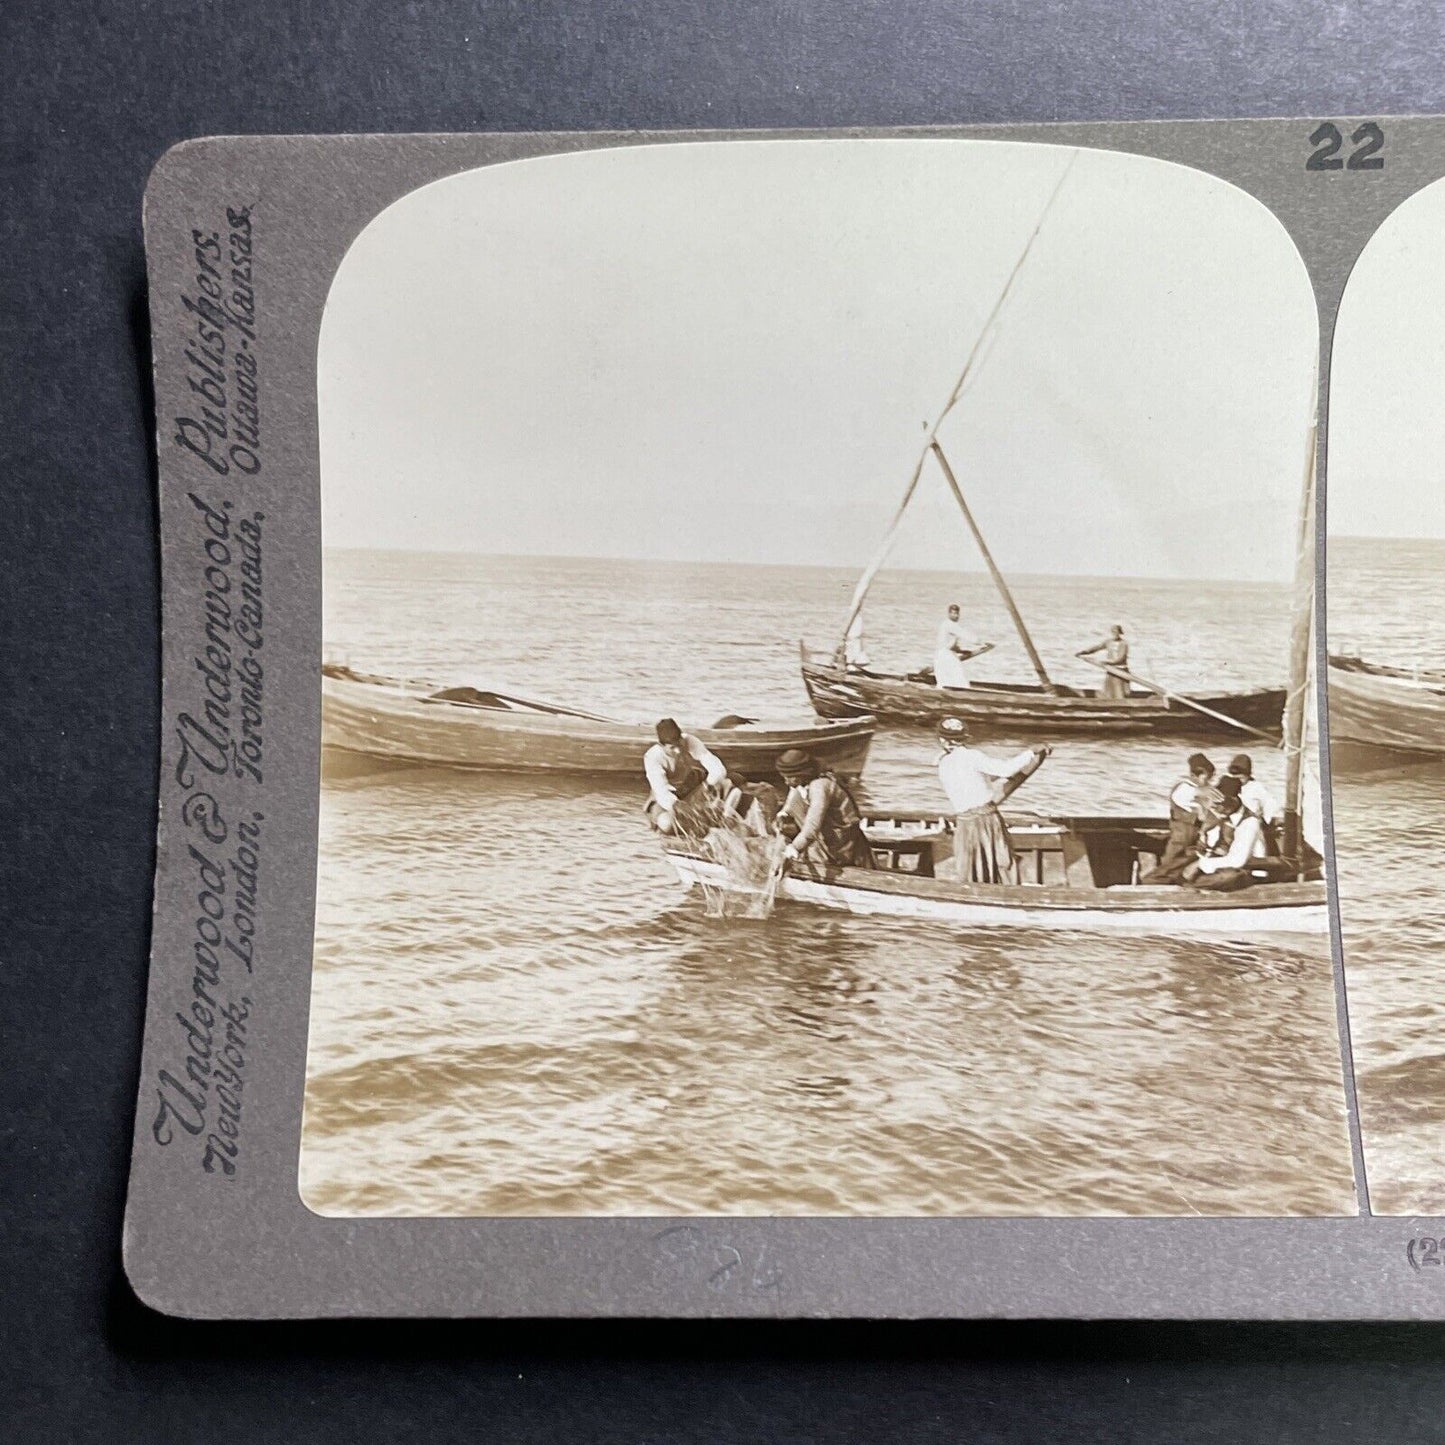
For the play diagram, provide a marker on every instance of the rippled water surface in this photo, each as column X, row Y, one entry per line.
column 516, row 1009
column 1384, row 603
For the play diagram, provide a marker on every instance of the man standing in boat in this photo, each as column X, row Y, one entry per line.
column 682, row 773
column 1115, row 661
column 819, row 816
column 976, row 784
column 1189, row 800
column 951, row 649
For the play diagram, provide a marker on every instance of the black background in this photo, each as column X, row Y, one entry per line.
column 91, row 96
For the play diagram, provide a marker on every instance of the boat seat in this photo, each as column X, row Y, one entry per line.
column 905, row 855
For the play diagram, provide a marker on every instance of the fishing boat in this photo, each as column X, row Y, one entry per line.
column 468, row 727
column 1071, row 872
column 1077, row 873
column 1391, row 708
column 1012, row 709
column 839, row 685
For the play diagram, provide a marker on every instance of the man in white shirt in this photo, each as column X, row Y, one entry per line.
column 855, row 651
column 1240, row 843
column 1257, row 798
column 683, row 774
column 976, row 783
column 951, row 649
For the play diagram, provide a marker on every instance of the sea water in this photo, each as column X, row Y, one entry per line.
column 1384, row 604
column 517, row 1010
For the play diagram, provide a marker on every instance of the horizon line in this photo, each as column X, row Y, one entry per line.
column 810, row 566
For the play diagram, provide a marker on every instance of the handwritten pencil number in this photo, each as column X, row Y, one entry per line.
column 1368, row 141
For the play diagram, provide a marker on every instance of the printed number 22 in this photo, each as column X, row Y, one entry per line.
column 1327, row 140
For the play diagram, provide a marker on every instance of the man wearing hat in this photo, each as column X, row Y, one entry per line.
column 1235, row 845
column 819, row 816
column 976, row 783
column 681, row 771
column 1192, row 803
column 1257, row 798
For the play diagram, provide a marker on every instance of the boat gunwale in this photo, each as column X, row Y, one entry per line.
column 1421, row 680
column 399, row 699
column 1129, row 898
column 1032, row 697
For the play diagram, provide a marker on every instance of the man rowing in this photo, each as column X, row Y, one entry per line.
column 1115, row 661
column 976, row 784
column 951, row 649
column 819, row 817
column 683, row 774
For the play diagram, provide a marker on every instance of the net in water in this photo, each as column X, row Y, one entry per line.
column 752, row 870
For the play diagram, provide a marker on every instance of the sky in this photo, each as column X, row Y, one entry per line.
column 735, row 351
column 1387, row 381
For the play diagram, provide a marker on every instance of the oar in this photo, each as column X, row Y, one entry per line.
column 1168, row 696
column 1011, row 784
column 552, row 708
column 556, row 708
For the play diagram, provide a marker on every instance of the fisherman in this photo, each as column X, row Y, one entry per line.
column 1116, row 661
column 754, row 805
column 1237, row 843
column 976, row 783
column 1258, row 799
column 819, row 817
column 685, row 777
column 951, row 649
column 1190, row 802
column 855, row 650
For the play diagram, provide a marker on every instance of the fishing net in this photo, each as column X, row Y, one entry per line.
column 752, row 870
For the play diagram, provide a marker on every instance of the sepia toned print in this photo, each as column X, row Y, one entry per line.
column 836, row 529
column 1386, row 553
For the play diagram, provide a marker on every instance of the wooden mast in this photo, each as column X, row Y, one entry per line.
column 984, row 335
column 1300, row 660
column 998, row 579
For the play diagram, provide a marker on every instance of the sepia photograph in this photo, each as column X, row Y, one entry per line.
column 1386, row 571
column 818, row 697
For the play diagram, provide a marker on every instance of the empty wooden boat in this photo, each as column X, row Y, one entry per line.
column 1393, row 708
column 1074, row 873
column 467, row 727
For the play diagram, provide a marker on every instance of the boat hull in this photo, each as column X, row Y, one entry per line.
column 1023, row 710
column 1082, row 869
column 1386, row 708
column 390, row 720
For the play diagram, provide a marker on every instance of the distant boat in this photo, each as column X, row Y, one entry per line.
column 468, row 727
column 1394, row 708
column 838, row 687
column 1074, row 873
column 1029, row 710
